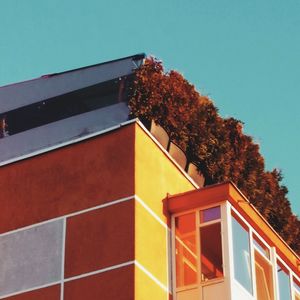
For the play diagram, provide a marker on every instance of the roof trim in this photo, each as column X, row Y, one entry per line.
column 134, row 57
column 24, row 93
column 139, row 56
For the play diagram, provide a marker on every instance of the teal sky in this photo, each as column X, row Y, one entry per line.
column 245, row 55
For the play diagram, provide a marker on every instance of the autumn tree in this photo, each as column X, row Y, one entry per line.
column 216, row 145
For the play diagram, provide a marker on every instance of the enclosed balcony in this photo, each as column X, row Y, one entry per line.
column 223, row 249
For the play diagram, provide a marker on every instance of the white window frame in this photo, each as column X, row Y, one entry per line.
column 227, row 252
column 199, row 225
column 272, row 260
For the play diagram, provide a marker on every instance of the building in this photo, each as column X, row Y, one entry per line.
column 93, row 206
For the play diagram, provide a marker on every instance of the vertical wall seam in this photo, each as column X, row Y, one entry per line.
column 63, row 259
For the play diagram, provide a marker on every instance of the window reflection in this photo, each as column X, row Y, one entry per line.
column 296, row 285
column 211, row 252
column 264, row 278
column 283, row 282
column 210, row 214
column 241, row 253
column 63, row 106
column 261, row 247
column 185, row 244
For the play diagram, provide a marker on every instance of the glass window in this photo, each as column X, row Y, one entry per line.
column 264, row 278
column 296, row 285
column 211, row 252
column 261, row 246
column 64, row 106
column 210, row 214
column 185, row 244
column 241, row 253
column 283, row 282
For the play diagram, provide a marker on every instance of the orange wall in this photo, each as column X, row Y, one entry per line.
column 68, row 179
column 113, row 285
column 48, row 293
column 99, row 239
column 96, row 171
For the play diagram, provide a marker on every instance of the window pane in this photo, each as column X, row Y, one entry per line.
column 211, row 252
column 64, row 106
column 283, row 282
column 241, row 253
column 296, row 285
column 296, row 289
column 185, row 243
column 264, row 278
column 263, row 248
column 210, row 214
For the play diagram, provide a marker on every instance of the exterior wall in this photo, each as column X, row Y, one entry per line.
column 31, row 257
column 67, row 180
column 77, row 252
column 90, row 220
column 67, row 222
column 146, row 288
column 155, row 176
column 116, row 284
column 48, row 293
column 151, row 249
column 99, row 239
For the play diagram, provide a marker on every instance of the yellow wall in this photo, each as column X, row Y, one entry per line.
column 151, row 244
column 146, row 288
column 155, row 176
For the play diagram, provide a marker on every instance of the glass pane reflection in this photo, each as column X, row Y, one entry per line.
column 210, row 214
column 261, row 247
column 241, row 253
column 283, row 282
column 211, row 252
column 264, row 278
column 185, row 243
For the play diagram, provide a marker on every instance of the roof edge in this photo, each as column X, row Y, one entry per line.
column 134, row 57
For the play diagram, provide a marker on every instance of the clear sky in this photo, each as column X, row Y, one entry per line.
column 244, row 54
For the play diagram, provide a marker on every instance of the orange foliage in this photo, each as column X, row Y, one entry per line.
column 216, row 145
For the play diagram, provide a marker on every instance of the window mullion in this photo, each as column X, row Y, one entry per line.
column 199, row 271
column 252, row 262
